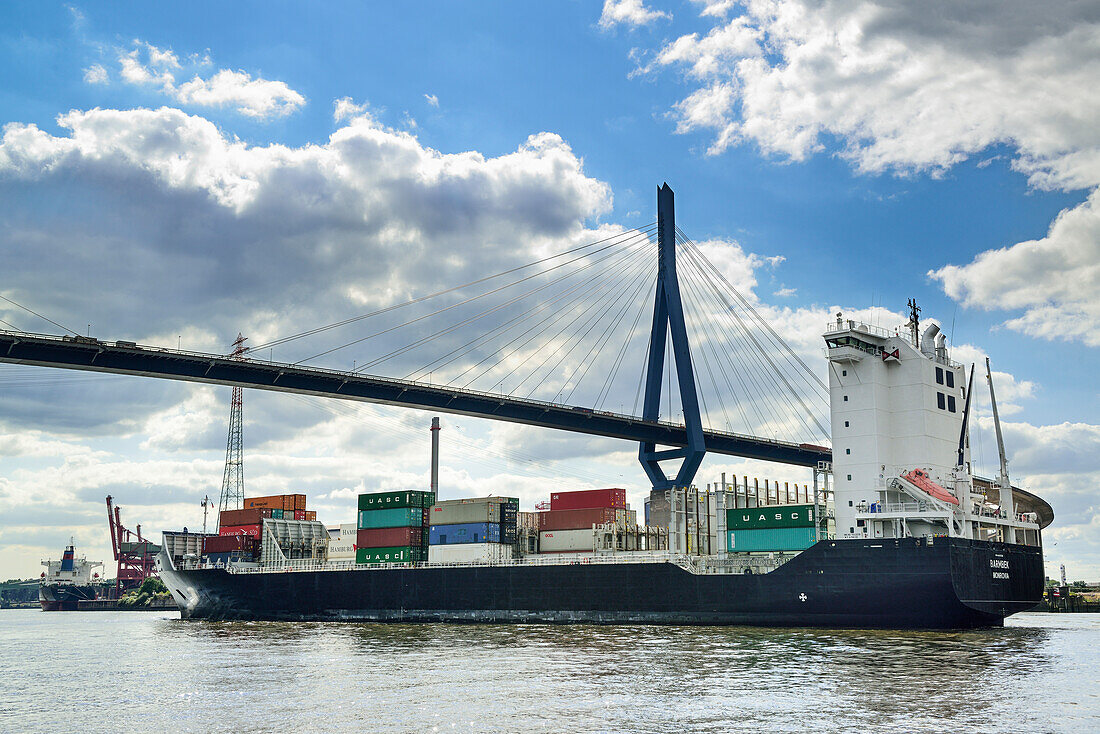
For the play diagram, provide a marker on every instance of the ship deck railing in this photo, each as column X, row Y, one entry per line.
column 762, row 562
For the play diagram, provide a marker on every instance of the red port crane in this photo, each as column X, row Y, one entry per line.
column 135, row 555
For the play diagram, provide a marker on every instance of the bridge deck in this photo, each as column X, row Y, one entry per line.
column 126, row 358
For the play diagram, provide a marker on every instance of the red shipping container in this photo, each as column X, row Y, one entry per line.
column 248, row 516
column 585, row 499
column 389, row 537
column 576, row 519
column 299, row 515
column 249, row 530
column 226, row 543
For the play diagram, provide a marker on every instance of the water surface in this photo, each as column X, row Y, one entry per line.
column 148, row 671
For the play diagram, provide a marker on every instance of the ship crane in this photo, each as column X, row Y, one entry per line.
column 134, row 554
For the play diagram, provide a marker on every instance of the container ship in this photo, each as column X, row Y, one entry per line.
column 898, row 533
column 66, row 583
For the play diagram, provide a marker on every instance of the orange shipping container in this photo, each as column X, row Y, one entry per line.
column 274, row 502
column 299, row 502
column 311, row 515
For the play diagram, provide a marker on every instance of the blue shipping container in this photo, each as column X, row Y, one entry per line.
column 470, row 532
column 770, row 539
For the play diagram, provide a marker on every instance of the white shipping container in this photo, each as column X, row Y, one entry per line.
column 558, row 541
column 469, row 553
column 341, row 549
column 344, row 532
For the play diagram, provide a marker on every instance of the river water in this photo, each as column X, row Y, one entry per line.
column 149, row 671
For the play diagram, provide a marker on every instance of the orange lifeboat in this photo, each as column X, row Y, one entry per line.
column 922, row 480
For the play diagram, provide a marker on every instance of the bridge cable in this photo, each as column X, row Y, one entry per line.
column 459, row 324
column 768, row 376
column 387, row 309
column 605, row 391
column 591, row 296
column 775, row 371
column 507, row 326
column 44, row 318
column 626, row 276
column 455, row 305
column 763, row 322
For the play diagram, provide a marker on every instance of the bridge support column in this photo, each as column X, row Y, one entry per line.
column 668, row 319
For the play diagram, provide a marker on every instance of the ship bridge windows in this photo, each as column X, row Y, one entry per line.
column 950, row 378
column 941, row 400
column 939, row 375
column 851, row 341
column 951, row 402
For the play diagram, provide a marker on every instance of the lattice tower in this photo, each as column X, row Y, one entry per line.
column 232, row 495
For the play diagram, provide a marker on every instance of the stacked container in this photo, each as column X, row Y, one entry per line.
column 473, row 530
column 775, row 528
column 567, row 526
column 393, row 527
column 295, row 533
column 341, row 542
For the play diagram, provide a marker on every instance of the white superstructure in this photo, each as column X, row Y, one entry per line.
column 901, row 456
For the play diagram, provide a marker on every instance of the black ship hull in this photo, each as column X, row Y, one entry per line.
column 63, row 597
column 945, row 584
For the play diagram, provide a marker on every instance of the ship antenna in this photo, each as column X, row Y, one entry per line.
column 914, row 321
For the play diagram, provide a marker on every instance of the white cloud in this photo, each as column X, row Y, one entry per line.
column 906, row 89
column 95, row 74
column 432, row 100
column 252, row 97
column 631, row 13
column 148, row 65
column 1054, row 280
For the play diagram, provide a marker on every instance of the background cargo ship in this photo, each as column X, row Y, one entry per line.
column 67, row 582
column 899, row 533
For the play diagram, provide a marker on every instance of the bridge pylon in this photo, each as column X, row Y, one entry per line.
column 668, row 318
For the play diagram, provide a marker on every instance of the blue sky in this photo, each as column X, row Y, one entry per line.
column 868, row 147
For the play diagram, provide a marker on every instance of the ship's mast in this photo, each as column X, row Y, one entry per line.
column 1003, row 481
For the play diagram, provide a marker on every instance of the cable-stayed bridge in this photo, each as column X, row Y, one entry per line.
column 554, row 343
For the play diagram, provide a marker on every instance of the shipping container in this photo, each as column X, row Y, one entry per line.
column 252, row 531
column 469, row 553
column 147, row 547
column 341, row 550
column 278, row 514
column 346, row 531
column 474, row 532
column 577, row 519
column 559, row 541
column 311, row 515
column 299, row 502
column 226, row 543
column 398, row 517
column 404, row 554
column 508, row 533
column 775, row 516
column 389, row 537
column 528, row 520
column 458, row 512
column 770, row 539
column 585, row 499
column 248, row 516
column 388, row 500
column 274, row 502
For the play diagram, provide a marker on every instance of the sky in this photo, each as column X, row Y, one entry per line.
column 174, row 175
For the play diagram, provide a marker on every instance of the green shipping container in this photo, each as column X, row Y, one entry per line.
column 770, row 539
column 398, row 554
column 388, row 500
column 399, row 517
column 276, row 514
column 774, row 516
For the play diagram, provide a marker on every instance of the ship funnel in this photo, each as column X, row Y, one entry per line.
column 928, row 341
